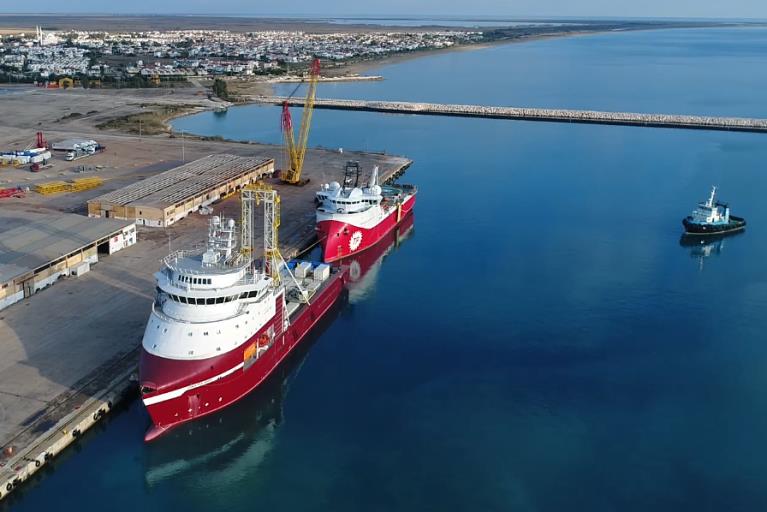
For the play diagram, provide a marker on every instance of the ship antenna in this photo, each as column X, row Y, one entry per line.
column 374, row 177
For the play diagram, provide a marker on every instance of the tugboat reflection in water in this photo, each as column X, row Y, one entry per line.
column 704, row 247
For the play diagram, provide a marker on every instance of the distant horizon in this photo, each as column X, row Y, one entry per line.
column 393, row 16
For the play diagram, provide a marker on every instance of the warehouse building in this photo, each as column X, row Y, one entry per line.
column 170, row 196
column 38, row 249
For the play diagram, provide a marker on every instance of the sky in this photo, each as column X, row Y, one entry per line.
column 337, row 8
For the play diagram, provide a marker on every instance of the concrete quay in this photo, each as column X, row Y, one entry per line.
column 741, row 124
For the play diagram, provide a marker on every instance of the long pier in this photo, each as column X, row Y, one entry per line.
column 740, row 124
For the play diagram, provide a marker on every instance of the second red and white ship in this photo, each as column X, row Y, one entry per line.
column 352, row 218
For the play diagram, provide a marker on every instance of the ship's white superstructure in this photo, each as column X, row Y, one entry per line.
column 209, row 301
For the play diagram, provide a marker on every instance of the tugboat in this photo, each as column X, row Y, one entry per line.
column 712, row 217
column 223, row 321
column 352, row 218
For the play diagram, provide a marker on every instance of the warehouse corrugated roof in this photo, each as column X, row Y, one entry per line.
column 32, row 240
column 182, row 183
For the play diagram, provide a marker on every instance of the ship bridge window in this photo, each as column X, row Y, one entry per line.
column 210, row 301
column 219, row 300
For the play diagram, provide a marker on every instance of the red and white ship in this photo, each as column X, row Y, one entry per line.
column 221, row 323
column 351, row 218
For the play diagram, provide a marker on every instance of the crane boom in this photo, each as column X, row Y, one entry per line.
column 295, row 152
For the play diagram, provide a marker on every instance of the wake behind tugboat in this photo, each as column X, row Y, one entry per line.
column 712, row 217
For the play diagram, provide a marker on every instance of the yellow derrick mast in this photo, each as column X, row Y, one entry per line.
column 295, row 152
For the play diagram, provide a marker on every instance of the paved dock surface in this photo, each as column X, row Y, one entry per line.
column 536, row 114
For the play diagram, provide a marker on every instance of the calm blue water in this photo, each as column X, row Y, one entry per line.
column 416, row 21
column 541, row 341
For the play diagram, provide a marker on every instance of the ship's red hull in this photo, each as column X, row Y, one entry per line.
column 177, row 391
column 336, row 236
column 360, row 264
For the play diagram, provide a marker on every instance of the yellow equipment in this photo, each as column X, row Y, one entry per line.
column 52, row 187
column 252, row 196
column 79, row 184
column 76, row 185
column 295, row 153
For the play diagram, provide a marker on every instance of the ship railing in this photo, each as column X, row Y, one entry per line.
column 249, row 279
column 157, row 310
column 184, row 253
column 171, row 261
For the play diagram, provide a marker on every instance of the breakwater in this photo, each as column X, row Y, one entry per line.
column 743, row 124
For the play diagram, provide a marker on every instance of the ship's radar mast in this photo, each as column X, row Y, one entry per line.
column 710, row 202
column 221, row 242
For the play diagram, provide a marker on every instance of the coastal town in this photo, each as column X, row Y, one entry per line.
column 151, row 57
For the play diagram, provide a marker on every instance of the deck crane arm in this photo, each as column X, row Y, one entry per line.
column 296, row 151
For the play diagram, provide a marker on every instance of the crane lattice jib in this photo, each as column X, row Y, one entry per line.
column 306, row 119
column 297, row 151
column 291, row 156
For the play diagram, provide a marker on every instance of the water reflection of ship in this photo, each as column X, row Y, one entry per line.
column 237, row 440
column 705, row 247
column 365, row 266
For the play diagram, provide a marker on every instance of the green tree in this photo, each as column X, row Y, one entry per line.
column 220, row 89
